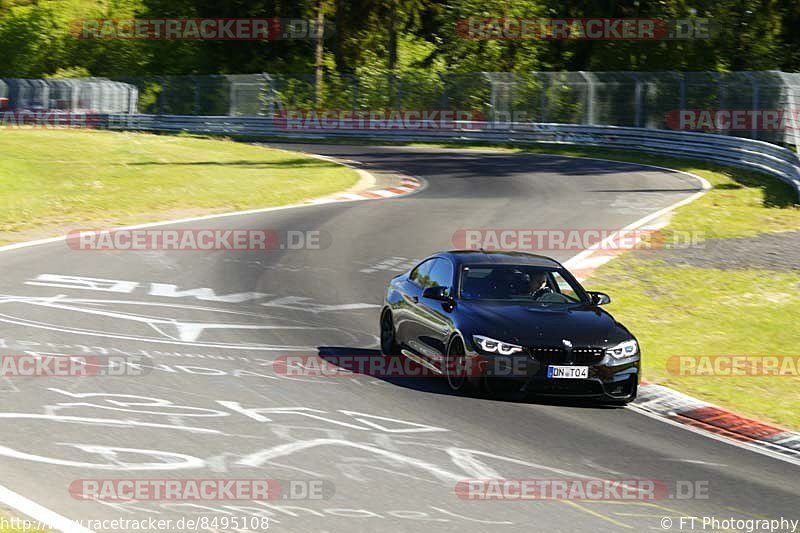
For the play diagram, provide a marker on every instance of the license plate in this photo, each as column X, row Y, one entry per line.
column 567, row 372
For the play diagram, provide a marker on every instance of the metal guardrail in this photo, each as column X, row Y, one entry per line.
column 751, row 154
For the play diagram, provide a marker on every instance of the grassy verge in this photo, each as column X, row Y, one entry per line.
column 693, row 311
column 53, row 181
column 690, row 311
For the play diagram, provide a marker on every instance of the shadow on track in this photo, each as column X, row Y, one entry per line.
column 373, row 363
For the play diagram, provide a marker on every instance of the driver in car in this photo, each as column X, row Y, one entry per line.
column 538, row 285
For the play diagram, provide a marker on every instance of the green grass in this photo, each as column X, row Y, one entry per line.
column 53, row 181
column 697, row 312
column 701, row 311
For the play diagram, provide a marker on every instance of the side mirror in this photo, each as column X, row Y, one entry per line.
column 599, row 298
column 436, row 293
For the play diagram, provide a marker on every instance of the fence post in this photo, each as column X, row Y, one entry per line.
column 790, row 96
column 314, row 92
column 589, row 117
column 492, row 96
column 272, row 94
column 399, row 92
column 637, row 96
column 196, row 85
column 543, row 96
column 681, row 89
column 231, row 96
column 443, row 98
column 133, row 99
column 161, row 94
column 754, row 105
column 355, row 94
column 722, row 101
column 265, row 93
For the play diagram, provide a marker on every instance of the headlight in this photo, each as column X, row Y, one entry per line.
column 623, row 349
column 494, row 346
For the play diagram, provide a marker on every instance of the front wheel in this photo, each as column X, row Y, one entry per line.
column 388, row 338
column 456, row 366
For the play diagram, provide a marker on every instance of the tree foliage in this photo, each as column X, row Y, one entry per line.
column 379, row 37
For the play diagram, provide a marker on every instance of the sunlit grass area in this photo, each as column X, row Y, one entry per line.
column 57, row 180
column 688, row 311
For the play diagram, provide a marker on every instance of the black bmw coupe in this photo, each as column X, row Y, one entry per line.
column 481, row 317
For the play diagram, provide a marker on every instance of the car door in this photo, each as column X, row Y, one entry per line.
column 434, row 322
column 404, row 313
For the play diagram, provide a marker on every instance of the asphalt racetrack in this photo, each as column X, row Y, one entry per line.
column 379, row 454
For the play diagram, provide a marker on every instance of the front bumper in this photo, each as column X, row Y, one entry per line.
column 609, row 379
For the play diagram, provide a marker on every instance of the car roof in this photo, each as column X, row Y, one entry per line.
column 499, row 258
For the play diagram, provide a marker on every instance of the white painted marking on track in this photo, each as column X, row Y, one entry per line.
column 385, row 194
column 577, row 261
column 40, row 513
column 695, row 462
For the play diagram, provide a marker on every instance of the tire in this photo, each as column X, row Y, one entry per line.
column 389, row 344
column 455, row 368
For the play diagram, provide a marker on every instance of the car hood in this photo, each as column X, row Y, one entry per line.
column 532, row 325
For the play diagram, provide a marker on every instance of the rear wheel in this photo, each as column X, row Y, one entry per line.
column 388, row 339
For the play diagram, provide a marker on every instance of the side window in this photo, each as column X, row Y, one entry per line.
column 441, row 275
column 421, row 274
column 562, row 286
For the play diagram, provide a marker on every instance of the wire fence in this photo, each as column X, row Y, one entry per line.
column 90, row 95
column 759, row 105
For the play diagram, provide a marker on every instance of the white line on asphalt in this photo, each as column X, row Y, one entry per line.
column 48, row 519
column 706, row 186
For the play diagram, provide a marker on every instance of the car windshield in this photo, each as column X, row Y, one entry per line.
column 518, row 283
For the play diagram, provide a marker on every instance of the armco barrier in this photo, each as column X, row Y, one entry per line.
column 745, row 153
